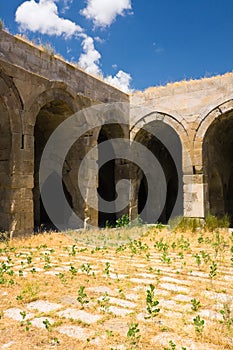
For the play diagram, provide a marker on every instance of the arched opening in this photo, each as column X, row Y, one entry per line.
column 108, row 173
column 165, row 144
column 48, row 119
column 218, row 165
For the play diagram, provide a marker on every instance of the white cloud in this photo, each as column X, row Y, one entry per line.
column 43, row 17
column 66, row 5
column 104, row 12
column 121, row 80
column 89, row 60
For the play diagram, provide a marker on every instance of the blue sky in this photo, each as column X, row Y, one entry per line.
column 133, row 44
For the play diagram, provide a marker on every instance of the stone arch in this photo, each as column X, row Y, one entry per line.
column 168, row 135
column 205, row 122
column 45, row 114
column 214, row 154
column 55, row 92
column 10, row 153
column 177, row 124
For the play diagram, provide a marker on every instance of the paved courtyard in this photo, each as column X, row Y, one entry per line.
column 164, row 290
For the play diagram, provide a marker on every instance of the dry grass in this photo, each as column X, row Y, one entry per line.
column 160, row 253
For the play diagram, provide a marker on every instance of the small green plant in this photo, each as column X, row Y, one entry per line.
column 151, row 303
column 47, row 324
column 195, row 304
column 73, row 270
column 198, row 325
column 123, row 221
column 86, row 268
column 205, row 256
column 183, row 243
column 82, row 296
column 198, row 259
column 73, row 250
column 213, row 270
column 104, row 302
column 172, row 346
column 23, row 314
column 227, row 316
column 62, row 278
column 165, row 258
column 27, row 326
column 133, row 335
column 107, row 268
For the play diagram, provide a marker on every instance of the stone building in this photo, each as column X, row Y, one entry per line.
column 40, row 90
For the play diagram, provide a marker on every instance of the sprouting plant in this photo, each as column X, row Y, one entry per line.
column 151, row 303
column 124, row 221
column 133, row 334
column 28, row 324
column 227, row 316
column 161, row 246
column 47, row 324
column 205, row 256
column 73, row 270
column 82, row 296
column 183, row 243
column 62, row 277
column 55, row 341
column 173, row 245
column 213, row 270
column 165, row 258
column 195, row 304
column 47, row 258
column 23, row 314
column 29, row 259
column 104, row 302
column 73, row 250
column 109, row 333
column 198, row 259
column 86, row 268
column 172, row 346
column 107, row 268
column 198, row 324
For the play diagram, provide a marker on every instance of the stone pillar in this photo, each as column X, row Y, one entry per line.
column 194, row 196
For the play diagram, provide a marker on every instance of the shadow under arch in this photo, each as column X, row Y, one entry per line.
column 49, row 117
column 164, row 142
column 217, row 158
column 108, row 172
column 54, row 204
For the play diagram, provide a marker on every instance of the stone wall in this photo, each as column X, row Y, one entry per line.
column 38, row 92
column 190, row 108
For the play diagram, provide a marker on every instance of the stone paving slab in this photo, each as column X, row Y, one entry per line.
column 81, row 315
column 43, row 306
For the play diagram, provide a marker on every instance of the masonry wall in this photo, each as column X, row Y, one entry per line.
column 38, row 92
column 190, row 108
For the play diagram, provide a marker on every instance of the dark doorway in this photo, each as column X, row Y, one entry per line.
column 162, row 146
column 106, row 186
column 48, row 119
column 218, row 166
